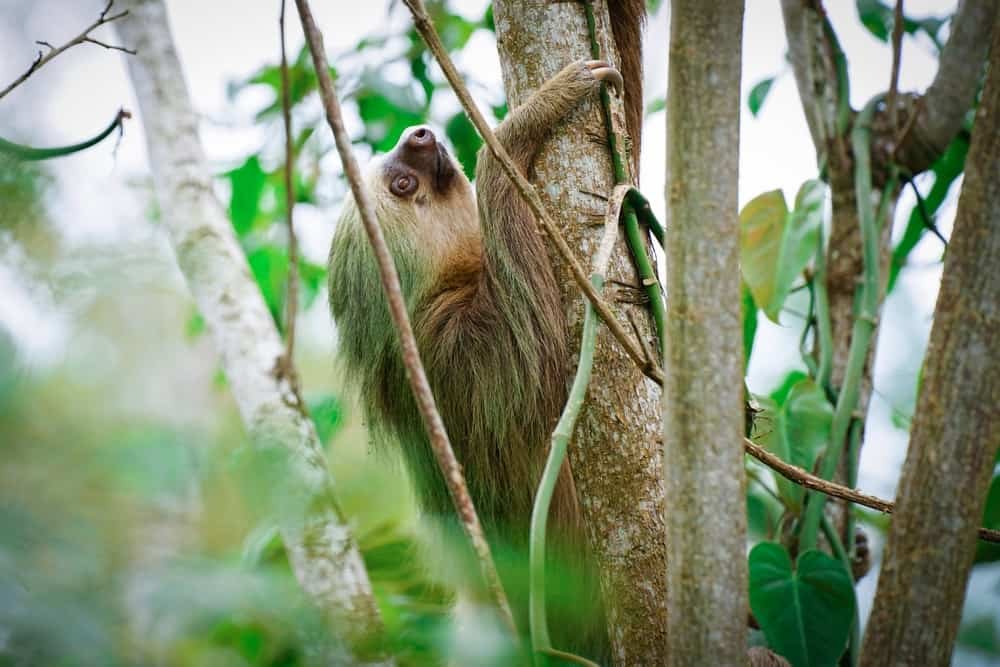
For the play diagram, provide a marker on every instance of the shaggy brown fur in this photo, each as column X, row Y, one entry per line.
column 627, row 18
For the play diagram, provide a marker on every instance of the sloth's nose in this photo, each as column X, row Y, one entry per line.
column 421, row 139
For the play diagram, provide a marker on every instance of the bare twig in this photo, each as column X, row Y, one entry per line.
column 424, row 25
column 897, row 47
column 285, row 365
column 42, row 60
column 450, row 467
column 110, row 47
column 806, row 479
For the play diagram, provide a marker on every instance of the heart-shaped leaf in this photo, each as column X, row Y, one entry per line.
column 776, row 244
column 805, row 613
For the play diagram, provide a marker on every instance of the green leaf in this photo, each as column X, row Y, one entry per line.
column 656, row 105
column 269, row 266
column 328, row 414
column 800, row 431
column 763, row 514
column 749, row 322
column 465, row 140
column 989, row 552
column 776, row 244
column 806, row 614
column 877, row 17
column 247, row 185
column 755, row 100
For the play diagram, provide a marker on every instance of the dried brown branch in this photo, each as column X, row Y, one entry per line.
column 450, row 467
column 84, row 37
column 286, row 365
column 424, row 25
column 806, row 479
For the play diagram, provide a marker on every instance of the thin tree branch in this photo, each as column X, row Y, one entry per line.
column 424, row 25
column 42, row 60
column 803, row 478
column 110, row 47
column 285, row 366
column 450, row 467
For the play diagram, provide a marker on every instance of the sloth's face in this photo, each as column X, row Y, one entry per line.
column 423, row 198
column 420, row 168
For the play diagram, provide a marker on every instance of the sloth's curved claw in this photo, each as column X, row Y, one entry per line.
column 603, row 71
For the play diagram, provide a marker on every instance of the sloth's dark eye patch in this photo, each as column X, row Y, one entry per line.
column 403, row 185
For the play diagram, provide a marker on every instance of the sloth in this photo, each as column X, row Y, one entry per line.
column 486, row 314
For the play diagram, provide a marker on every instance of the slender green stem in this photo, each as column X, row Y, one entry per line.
column 538, row 623
column 27, row 153
column 854, row 638
column 636, row 203
column 645, row 213
column 647, row 275
column 864, row 322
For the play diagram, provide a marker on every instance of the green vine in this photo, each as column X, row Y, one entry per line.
column 864, row 322
column 635, row 203
column 627, row 205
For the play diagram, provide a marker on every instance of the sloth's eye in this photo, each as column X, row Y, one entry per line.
column 403, row 185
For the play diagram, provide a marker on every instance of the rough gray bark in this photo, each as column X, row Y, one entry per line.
column 322, row 552
column 932, row 538
column 615, row 454
column 703, row 412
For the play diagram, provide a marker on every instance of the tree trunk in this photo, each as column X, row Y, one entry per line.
column 320, row 547
column 703, row 412
column 615, row 454
column 932, row 538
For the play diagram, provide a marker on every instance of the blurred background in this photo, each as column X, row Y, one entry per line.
column 130, row 530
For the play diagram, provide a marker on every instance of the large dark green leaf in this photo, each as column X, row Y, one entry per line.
column 805, row 613
column 776, row 244
column 755, row 100
column 800, row 430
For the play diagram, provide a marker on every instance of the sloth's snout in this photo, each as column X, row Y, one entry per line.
column 420, row 139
